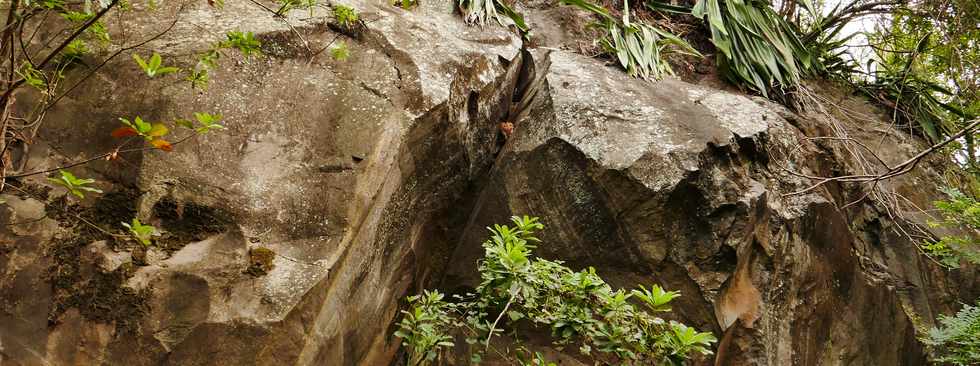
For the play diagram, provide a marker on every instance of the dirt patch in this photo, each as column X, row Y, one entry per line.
column 98, row 296
column 186, row 222
column 28, row 190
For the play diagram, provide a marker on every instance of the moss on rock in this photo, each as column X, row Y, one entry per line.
column 260, row 261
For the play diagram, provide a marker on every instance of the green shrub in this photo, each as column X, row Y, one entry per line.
column 960, row 212
column 579, row 308
column 957, row 340
column 345, row 16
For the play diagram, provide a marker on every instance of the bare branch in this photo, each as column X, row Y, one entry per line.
column 895, row 171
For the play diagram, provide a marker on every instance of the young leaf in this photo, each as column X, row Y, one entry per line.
column 185, row 123
column 74, row 185
column 162, row 145
column 199, row 79
column 158, row 129
column 124, row 132
column 154, row 67
column 208, row 122
column 142, row 233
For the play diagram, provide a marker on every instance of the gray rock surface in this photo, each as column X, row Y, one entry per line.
column 352, row 184
column 685, row 186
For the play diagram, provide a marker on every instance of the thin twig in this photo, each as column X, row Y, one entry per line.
column 494, row 326
column 78, row 32
column 97, row 157
column 899, row 169
column 117, row 53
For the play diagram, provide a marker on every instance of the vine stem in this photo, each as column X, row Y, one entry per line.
column 494, row 326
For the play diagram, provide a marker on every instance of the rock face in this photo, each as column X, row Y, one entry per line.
column 340, row 187
column 684, row 186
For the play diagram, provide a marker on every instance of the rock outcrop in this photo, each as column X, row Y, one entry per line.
column 340, row 187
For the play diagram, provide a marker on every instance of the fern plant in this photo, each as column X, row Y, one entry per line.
column 957, row 340
column 638, row 47
column 578, row 308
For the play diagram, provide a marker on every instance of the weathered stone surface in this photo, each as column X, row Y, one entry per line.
column 374, row 177
column 337, row 167
column 683, row 186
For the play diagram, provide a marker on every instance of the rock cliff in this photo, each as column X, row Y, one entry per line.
column 339, row 187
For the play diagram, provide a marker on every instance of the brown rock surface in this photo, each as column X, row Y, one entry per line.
column 371, row 178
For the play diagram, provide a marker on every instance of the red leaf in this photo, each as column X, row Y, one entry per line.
column 124, row 132
column 162, row 145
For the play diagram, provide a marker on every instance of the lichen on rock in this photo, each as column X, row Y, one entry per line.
column 260, row 261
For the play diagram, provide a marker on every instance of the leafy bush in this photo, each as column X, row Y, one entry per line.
column 340, row 52
column 959, row 212
column 758, row 48
column 957, row 340
column 579, row 308
column 637, row 46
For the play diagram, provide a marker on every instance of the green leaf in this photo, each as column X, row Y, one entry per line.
column 184, row 123
column 142, row 233
column 73, row 184
column 155, row 61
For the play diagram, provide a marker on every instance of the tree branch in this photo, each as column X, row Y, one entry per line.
column 895, row 171
column 78, row 32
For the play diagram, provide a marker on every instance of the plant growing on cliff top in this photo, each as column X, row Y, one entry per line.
column 638, row 47
column 957, row 339
column 759, row 48
column 345, row 16
column 578, row 308
column 481, row 12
